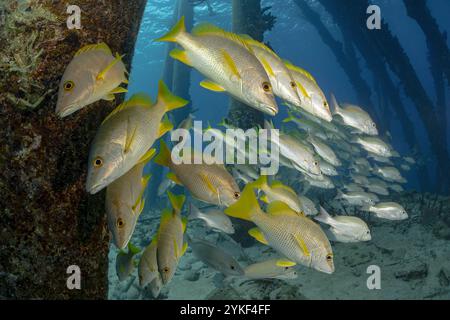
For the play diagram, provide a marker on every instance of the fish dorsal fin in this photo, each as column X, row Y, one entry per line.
column 279, row 185
column 176, row 201
column 203, row 29
column 230, row 63
column 258, row 44
column 139, row 99
column 258, row 235
column 91, row 47
column 292, row 67
column 277, row 208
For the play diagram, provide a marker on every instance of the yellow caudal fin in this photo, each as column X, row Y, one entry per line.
column 246, row 206
column 168, row 99
column 180, row 55
column 260, row 183
column 176, row 201
column 163, row 157
column 172, row 35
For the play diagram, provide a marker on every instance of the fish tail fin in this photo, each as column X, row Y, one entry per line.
column 334, row 105
column 246, row 207
column 168, row 99
column 261, row 182
column 194, row 212
column 323, row 216
column 174, row 33
column 163, row 157
column 339, row 195
column 176, row 201
column 133, row 249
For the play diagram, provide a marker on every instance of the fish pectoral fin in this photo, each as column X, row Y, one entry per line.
column 175, row 246
column 285, row 263
column 109, row 97
column 102, row 74
column 129, row 140
column 208, row 84
column 209, row 184
column 229, row 62
column 267, row 67
column 183, row 250
column 165, row 126
column 172, row 176
column 180, row 55
column 302, row 244
column 125, row 81
column 258, row 235
column 147, row 156
column 119, row 90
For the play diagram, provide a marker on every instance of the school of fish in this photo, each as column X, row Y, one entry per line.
column 336, row 148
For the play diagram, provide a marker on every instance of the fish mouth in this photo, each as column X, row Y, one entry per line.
column 67, row 110
column 95, row 188
column 269, row 109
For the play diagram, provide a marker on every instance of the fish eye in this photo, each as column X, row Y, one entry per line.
column 232, row 267
column 98, row 162
column 316, row 163
column 325, row 104
column 373, row 124
column 69, row 85
column 237, row 195
column 293, row 84
column 120, row 223
column 166, row 269
column 329, row 257
column 266, row 87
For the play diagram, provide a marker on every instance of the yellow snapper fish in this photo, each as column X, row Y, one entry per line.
column 344, row 228
column 295, row 237
column 282, row 82
column 125, row 263
column 170, row 243
column 93, row 74
column 127, row 134
column 211, row 183
column 278, row 191
column 226, row 61
column 124, row 202
column 312, row 97
column 270, row 269
column 355, row 117
column 148, row 264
